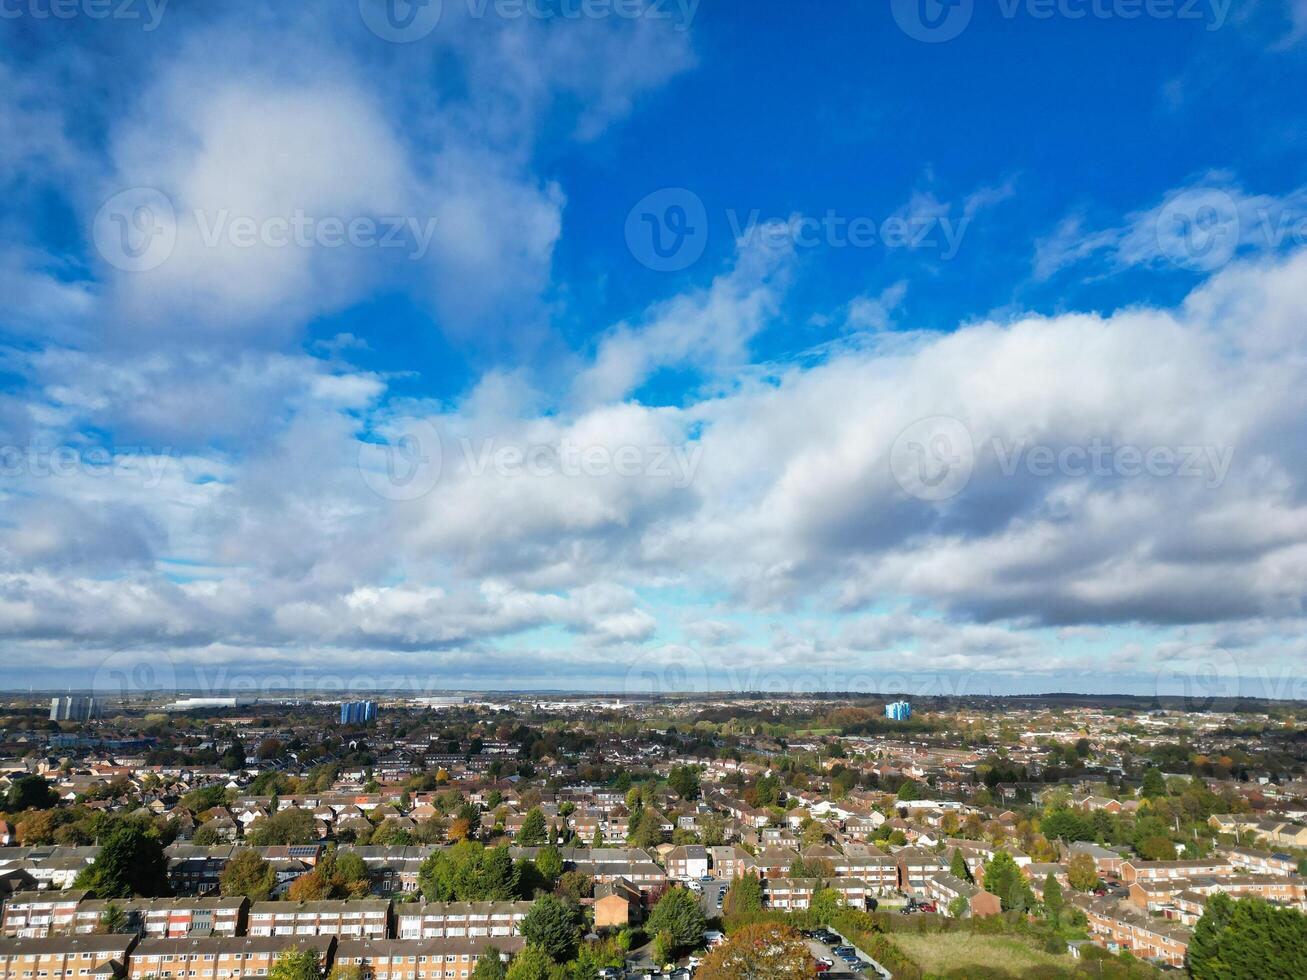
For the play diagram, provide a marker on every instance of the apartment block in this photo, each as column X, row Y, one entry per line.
column 60, row 957
column 219, row 957
column 1132, row 871
column 168, row 918
column 367, row 917
column 943, row 888
column 419, row 959
column 1262, row 862
column 1120, row 926
column 457, row 920
column 32, row 915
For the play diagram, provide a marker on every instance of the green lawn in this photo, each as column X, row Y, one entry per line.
column 941, row 952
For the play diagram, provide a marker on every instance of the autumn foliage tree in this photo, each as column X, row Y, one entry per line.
column 1082, row 873
column 765, row 951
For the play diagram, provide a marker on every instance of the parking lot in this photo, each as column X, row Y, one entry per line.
column 708, row 897
column 839, row 969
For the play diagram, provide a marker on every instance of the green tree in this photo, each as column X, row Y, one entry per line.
column 959, row 906
column 249, row 875
column 664, row 948
column 1156, row 848
column 490, row 965
column 349, row 869
column 678, row 912
column 130, row 863
column 1205, row 948
column 204, row 798
column 958, row 865
column 712, row 830
column 646, row 834
column 534, row 830
column 549, row 864
column 30, row 793
column 289, row 826
column 1154, row 784
column 1053, row 902
column 113, row 919
column 744, row 897
column 826, row 904
column 296, row 964
column 1065, row 824
column 1248, row 940
column 575, row 886
column 468, row 872
column 533, row 963
column 552, row 926
column 499, row 881
column 684, row 781
column 1003, row 878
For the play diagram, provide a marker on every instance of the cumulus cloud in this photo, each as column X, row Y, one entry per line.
column 232, row 497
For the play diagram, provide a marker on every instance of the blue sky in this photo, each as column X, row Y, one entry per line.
column 894, row 346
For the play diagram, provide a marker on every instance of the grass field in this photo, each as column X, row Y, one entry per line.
column 948, row 951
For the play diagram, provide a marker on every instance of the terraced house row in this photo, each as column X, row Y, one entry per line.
column 41, row 915
column 129, row 957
